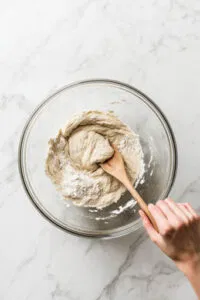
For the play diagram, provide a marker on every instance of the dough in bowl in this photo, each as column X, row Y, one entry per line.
column 75, row 154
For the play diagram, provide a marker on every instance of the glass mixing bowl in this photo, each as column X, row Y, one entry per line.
column 133, row 108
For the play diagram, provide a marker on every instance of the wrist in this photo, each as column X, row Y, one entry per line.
column 191, row 267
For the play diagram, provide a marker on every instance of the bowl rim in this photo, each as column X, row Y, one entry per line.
column 152, row 105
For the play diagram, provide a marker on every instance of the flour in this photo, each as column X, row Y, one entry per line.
column 130, row 144
column 130, row 204
column 79, row 185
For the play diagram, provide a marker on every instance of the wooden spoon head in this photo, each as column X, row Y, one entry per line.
column 115, row 165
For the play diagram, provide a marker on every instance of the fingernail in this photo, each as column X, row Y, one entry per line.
column 150, row 205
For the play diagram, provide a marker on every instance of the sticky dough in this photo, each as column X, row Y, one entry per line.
column 75, row 154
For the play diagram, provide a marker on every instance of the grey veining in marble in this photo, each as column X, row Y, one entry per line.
column 153, row 45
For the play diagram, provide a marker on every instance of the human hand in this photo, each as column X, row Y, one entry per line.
column 179, row 232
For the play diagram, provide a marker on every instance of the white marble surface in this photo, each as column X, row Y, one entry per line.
column 153, row 45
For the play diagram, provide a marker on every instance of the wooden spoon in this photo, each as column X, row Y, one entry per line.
column 115, row 167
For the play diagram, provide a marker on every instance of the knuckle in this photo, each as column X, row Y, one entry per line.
column 193, row 218
column 187, row 222
column 166, row 230
column 190, row 221
column 186, row 219
column 179, row 225
column 198, row 218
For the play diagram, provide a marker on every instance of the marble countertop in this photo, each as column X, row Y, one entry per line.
column 153, row 45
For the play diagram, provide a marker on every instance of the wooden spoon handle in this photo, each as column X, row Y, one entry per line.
column 141, row 203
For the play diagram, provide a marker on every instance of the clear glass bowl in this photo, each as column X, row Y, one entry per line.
column 133, row 108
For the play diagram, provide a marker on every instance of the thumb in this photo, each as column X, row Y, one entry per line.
column 153, row 234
